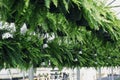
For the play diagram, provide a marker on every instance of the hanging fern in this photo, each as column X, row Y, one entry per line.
column 60, row 33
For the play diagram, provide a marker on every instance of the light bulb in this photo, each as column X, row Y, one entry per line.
column 109, row 57
column 76, row 59
column 96, row 63
column 45, row 45
column 95, row 54
column 80, row 52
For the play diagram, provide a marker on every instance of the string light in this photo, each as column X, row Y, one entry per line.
column 95, row 54
column 76, row 59
column 45, row 46
column 109, row 57
column 96, row 63
column 80, row 52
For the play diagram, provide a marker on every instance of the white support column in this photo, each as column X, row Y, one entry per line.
column 119, row 71
column 78, row 73
column 23, row 75
column 10, row 74
column 73, row 74
column 112, row 76
column 31, row 73
column 99, row 73
column 109, row 73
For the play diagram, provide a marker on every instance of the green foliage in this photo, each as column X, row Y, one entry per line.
column 85, row 34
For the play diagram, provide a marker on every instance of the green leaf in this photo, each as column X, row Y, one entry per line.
column 55, row 2
column 66, row 4
column 78, row 2
column 47, row 3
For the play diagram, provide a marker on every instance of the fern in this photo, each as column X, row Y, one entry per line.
column 78, row 33
column 55, row 2
column 47, row 3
